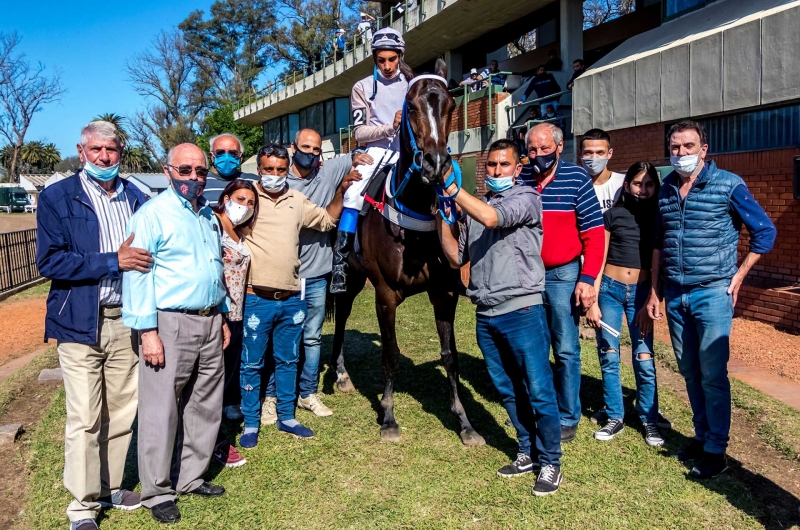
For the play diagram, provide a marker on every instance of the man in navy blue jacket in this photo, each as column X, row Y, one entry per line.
column 81, row 247
column 701, row 210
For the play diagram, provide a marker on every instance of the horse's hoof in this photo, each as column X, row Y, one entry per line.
column 344, row 384
column 471, row 438
column 390, row 434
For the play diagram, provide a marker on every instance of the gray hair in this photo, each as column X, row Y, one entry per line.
column 171, row 154
column 556, row 132
column 223, row 135
column 99, row 129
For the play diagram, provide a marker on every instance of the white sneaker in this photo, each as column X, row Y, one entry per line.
column 314, row 404
column 269, row 414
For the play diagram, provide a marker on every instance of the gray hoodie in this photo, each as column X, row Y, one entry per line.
column 506, row 269
column 316, row 253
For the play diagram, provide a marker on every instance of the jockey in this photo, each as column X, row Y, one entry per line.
column 376, row 103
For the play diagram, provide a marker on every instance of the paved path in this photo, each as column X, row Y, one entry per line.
column 12, row 366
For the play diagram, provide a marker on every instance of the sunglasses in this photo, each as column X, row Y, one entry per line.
column 232, row 152
column 273, row 150
column 187, row 170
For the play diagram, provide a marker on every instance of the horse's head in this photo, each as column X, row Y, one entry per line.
column 430, row 107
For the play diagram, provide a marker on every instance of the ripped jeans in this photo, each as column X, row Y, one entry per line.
column 615, row 299
column 281, row 323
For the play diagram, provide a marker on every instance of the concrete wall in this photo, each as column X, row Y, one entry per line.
column 723, row 65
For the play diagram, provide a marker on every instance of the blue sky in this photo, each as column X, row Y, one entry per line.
column 88, row 43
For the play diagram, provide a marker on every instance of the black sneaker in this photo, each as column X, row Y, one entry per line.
column 652, row 437
column 549, row 480
column 711, row 465
column 599, row 417
column 568, row 433
column 609, row 430
column 662, row 422
column 692, row 451
column 521, row 466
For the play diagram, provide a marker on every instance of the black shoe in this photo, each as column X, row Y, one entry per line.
column 207, row 489
column 549, row 480
column 692, row 451
column 609, row 430
column 600, row 417
column 568, row 433
column 166, row 513
column 521, row 466
column 711, row 465
column 340, row 252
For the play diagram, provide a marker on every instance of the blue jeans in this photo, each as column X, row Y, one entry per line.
column 516, row 347
column 615, row 299
column 316, row 291
column 562, row 319
column 700, row 319
column 281, row 322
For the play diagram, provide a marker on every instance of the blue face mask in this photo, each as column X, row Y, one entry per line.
column 226, row 164
column 499, row 184
column 103, row 174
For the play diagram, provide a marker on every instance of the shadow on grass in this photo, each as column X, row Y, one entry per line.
column 426, row 383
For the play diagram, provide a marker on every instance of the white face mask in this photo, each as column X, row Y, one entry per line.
column 685, row 165
column 594, row 166
column 237, row 213
column 273, row 183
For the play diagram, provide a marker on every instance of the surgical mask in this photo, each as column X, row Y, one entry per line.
column 226, row 164
column 273, row 183
column 594, row 166
column 543, row 163
column 499, row 184
column 103, row 174
column 188, row 189
column 305, row 160
column 685, row 165
column 237, row 213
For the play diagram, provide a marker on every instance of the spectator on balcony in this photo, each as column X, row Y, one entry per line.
column 497, row 79
column 554, row 117
column 702, row 209
column 534, row 115
column 554, row 63
column 578, row 68
column 339, row 44
column 473, row 80
column 365, row 27
column 545, row 85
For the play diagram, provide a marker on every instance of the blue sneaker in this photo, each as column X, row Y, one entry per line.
column 249, row 440
column 298, row 431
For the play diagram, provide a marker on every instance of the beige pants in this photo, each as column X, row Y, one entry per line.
column 101, row 384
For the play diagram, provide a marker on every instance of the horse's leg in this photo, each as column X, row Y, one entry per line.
column 444, row 310
column 344, row 305
column 386, row 306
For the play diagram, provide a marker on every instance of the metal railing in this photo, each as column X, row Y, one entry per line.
column 490, row 91
column 349, row 130
column 539, row 101
column 17, row 259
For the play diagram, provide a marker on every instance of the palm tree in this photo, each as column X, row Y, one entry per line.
column 50, row 156
column 6, row 156
column 118, row 122
column 32, row 154
column 136, row 159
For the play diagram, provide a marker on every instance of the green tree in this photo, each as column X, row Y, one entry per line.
column 136, row 159
column 32, row 155
column 117, row 121
column 221, row 121
column 51, row 156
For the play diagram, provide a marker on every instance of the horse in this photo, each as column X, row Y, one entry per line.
column 400, row 262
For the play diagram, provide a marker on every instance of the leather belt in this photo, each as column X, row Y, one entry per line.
column 208, row 312
column 111, row 311
column 271, row 294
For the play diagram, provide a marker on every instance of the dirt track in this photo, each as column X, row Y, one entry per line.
column 16, row 221
column 21, row 327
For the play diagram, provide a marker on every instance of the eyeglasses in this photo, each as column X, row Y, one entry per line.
column 186, row 170
column 232, row 152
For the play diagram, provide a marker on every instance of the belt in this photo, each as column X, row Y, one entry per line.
column 271, row 294
column 208, row 312
column 114, row 311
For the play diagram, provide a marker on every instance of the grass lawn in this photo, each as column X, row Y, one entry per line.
column 347, row 478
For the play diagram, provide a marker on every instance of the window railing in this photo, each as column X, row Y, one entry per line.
column 349, row 130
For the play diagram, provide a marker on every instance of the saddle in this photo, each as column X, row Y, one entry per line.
column 378, row 195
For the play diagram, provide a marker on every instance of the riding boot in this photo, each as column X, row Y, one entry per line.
column 340, row 252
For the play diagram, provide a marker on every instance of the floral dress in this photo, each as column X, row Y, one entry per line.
column 235, row 259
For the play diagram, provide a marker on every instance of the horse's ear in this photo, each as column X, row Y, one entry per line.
column 441, row 68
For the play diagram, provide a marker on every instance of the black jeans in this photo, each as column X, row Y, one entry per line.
column 232, row 395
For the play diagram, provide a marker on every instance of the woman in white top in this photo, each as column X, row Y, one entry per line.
column 376, row 102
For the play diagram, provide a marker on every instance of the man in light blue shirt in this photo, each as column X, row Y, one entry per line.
column 178, row 310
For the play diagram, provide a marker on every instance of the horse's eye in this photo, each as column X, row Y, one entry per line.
column 412, row 108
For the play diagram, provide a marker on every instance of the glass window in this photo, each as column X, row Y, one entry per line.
column 312, row 118
column 342, row 109
column 294, row 126
column 673, row 8
column 330, row 119
column 272, row 131
column 285, row 129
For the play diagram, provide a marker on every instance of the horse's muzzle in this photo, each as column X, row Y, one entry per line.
column 435, row 165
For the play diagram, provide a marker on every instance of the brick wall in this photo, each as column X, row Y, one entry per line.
column 477, row 112
column 768, row 175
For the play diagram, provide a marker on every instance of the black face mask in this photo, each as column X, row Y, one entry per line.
column 305, row 160
column 543, row 163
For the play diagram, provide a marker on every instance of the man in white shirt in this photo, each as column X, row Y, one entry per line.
column 596, row 151
column 365, row 27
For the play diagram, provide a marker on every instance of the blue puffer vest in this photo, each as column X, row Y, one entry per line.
column 700, row 238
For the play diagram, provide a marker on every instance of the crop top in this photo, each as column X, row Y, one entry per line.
column 632, row 234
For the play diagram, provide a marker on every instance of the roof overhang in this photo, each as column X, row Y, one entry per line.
column 730, row 55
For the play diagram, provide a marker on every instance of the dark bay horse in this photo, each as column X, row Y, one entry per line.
column 400, row 262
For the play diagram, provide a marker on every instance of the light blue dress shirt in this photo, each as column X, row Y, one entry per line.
column 187, row 268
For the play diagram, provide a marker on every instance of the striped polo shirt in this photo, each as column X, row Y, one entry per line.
column 572, row 221
column 113, row 213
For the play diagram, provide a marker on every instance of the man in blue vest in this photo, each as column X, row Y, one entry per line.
column 701, row 210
